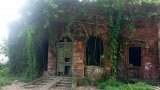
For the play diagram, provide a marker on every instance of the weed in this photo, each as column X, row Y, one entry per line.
column 113, row 84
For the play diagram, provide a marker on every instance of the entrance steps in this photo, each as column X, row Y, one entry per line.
column 64, row 84
column 50, row 83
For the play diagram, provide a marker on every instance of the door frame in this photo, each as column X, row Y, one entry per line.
column 71, row 63
column 135, row 43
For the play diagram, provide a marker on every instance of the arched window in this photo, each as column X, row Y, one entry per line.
column 94, row 51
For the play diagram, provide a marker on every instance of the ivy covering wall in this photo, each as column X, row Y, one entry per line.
column 29, row 37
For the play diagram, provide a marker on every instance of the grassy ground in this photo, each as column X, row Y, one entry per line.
column 5, row 78
column 112, row 84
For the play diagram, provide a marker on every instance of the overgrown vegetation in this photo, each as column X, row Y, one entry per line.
column 4, row 75
column 113, row 84
column 29, row 37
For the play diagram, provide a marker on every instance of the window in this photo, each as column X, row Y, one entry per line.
column 135, row 56
column 94, row 51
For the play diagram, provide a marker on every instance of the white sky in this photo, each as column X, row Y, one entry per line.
column 8, row 12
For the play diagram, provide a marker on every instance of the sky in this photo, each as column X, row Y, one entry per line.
column 9, row 11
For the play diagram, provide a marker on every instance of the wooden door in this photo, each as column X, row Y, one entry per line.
column 64, row 57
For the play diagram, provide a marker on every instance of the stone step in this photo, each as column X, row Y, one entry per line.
column 50, row 78
column 51, row 83
column 67, row 85
column 45, row 81
column 31, row 86
column 40, row 83
column 64, row 82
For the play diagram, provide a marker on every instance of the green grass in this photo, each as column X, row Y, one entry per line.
column 5, row 78
column 113, row 84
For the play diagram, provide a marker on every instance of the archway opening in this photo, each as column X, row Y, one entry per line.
column 94, row 51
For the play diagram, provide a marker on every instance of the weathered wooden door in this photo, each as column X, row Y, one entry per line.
column 64, row 57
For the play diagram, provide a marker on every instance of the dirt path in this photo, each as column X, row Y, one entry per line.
column 13, row 86
column 18, row 86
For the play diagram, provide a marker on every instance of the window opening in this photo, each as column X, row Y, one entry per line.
column 135, row 56
column 94, row 51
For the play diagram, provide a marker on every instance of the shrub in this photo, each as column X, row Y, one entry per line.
column 4, row 75
column 113, row 84
column 110, row 82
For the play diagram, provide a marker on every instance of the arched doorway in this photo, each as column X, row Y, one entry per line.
column 94, row 51
column 64, row 57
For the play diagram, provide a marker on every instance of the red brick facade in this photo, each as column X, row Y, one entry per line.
column 145, row 36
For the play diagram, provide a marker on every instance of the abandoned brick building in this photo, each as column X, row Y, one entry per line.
column 69, row 56
column 82, row 52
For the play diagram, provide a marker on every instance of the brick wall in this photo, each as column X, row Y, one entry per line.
column 78, row 59
column 51, row 63
column 146, row 37
column 145, row 34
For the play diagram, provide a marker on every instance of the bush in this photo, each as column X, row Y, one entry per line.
column 6, row 78
column 109, row 84
column 4, row 75
column 113, row 84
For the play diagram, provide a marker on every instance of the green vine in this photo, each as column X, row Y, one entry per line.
column 31, row 71
column 114, row 29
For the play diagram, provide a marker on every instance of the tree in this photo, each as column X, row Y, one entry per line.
column 4, row 47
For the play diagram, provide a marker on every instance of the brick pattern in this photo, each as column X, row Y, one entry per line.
column 51, row 63
column 78, row 59
column 145, row 33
